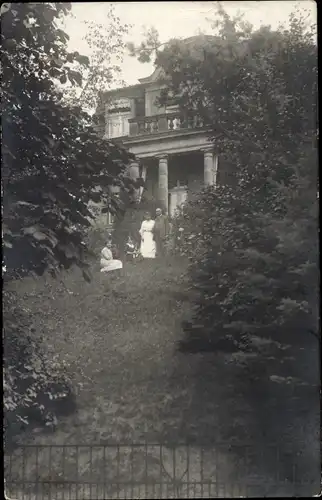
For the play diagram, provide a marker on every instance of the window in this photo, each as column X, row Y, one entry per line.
column 139, row 107
column 118, row 125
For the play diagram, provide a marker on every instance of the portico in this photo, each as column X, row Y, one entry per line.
column 171, row 146
column 175, row 150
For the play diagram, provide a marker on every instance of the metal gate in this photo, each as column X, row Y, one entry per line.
column 109, row 471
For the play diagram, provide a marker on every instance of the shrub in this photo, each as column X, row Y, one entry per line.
column 186, row 227
column 36, row 389
column 253, row 262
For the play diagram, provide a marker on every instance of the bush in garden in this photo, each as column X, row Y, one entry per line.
column 254, row 264
column 36, row 388
column 186, row 227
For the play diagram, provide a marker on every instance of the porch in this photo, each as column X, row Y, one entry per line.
column 174, row 165
column 175, row 178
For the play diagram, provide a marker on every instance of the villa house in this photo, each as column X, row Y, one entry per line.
column 174, row 155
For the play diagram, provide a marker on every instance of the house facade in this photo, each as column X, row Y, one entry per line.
column 173, row 153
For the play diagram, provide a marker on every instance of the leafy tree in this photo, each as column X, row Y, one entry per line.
column 53, row 165
column 36, row 389
column 106, row 44
column 255, row 266
column 148, row 46
column 53, row 162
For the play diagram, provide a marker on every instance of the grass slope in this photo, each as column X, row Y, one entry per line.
column 117, row 337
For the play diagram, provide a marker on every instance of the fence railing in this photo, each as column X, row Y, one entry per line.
column 163, row 123
column 79, row 472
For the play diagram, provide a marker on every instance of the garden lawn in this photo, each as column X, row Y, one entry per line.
column 117, row 337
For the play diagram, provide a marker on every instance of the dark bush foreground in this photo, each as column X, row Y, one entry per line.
column 253, row 273
column 36, row 389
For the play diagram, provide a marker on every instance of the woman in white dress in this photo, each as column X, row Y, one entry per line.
column 147, row 248
column 107, row 262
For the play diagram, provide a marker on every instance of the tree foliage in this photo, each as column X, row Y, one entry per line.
column 147, row 47
column 106, row 44
column 36, row 388
column 53, row 162
column 53, row 165
column 255, row 264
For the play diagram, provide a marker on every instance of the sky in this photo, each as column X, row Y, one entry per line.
column 172, row 19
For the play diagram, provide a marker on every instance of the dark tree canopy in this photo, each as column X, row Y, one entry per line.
column 53, row 162
column 253, row 240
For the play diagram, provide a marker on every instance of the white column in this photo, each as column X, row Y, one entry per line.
column 134, row 172
column 142, row 172
column 173, row 202
column 208, row 167
column 163, row 181
column 215, row 169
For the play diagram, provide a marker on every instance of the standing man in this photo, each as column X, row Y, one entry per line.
column 161, row 231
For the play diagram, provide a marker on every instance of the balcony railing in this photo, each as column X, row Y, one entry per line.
column 147, row 125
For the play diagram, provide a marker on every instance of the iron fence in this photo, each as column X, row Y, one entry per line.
column 80, row 472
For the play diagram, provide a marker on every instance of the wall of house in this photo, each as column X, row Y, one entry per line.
column 151, row 182
column 117, row 113
column 151, row 93
column 120, row 106
column 120, row 110
column 117, row 124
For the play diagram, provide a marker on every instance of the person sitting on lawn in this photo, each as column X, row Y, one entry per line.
column 107, row 262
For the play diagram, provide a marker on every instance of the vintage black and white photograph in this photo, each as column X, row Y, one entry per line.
column 160, row 250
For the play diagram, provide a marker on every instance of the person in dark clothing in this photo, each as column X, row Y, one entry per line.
column 160, row 231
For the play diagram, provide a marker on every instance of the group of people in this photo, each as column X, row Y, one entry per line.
column 153, row 234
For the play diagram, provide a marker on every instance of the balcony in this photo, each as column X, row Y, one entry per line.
column 148, row 125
